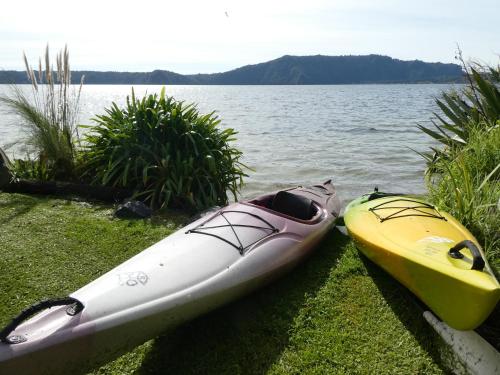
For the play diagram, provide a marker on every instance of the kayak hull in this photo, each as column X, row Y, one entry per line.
column 415, row 251
column 185, row 275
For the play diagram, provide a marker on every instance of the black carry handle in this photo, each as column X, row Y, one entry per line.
column 378, row 194
column 477, row 259
column 76, row 307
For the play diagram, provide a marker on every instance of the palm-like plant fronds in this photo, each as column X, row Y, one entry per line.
column 463, row 175
column 476, row 106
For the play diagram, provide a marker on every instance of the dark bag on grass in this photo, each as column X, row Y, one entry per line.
column 133, row 210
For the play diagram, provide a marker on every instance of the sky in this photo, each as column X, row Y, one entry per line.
column 195, row 36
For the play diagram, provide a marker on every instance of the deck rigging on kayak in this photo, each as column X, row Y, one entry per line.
column 212, row 229
column 420, row 209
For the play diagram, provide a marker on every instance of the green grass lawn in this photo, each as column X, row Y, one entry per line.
column 335, row 313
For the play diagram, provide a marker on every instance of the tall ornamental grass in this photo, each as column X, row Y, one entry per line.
column 165, row 151
column 49, row 114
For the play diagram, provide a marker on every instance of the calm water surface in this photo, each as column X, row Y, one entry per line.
column 358, row 135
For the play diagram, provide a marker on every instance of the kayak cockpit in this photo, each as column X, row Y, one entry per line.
column 291, row 205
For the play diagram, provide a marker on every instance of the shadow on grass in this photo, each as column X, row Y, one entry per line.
column 16, row 205
column 408, row 309
column 246, row 336
column 20, row 204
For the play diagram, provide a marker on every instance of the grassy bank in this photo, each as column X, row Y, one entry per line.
column 469, row 189
column 336, row 313
column 463, row 174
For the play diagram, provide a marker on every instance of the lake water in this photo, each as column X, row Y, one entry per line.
column 360, row 136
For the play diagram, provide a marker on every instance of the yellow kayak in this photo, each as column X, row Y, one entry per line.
column 429, row 252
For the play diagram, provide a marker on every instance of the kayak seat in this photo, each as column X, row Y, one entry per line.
column 293, row 205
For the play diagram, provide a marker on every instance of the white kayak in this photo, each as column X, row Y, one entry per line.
column 211, row 261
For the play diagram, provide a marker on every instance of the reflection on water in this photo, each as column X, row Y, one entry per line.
column 358, row 135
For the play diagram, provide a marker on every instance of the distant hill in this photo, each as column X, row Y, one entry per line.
column 286, row 70
column 109, row 78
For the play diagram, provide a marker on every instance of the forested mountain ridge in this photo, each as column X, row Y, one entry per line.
column 286, row 70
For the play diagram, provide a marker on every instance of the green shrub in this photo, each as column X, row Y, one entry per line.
column 164, row 150
column 476, row 106
column 31, row 169
column 49, row 115
column 470, row 189
column 464, row 174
